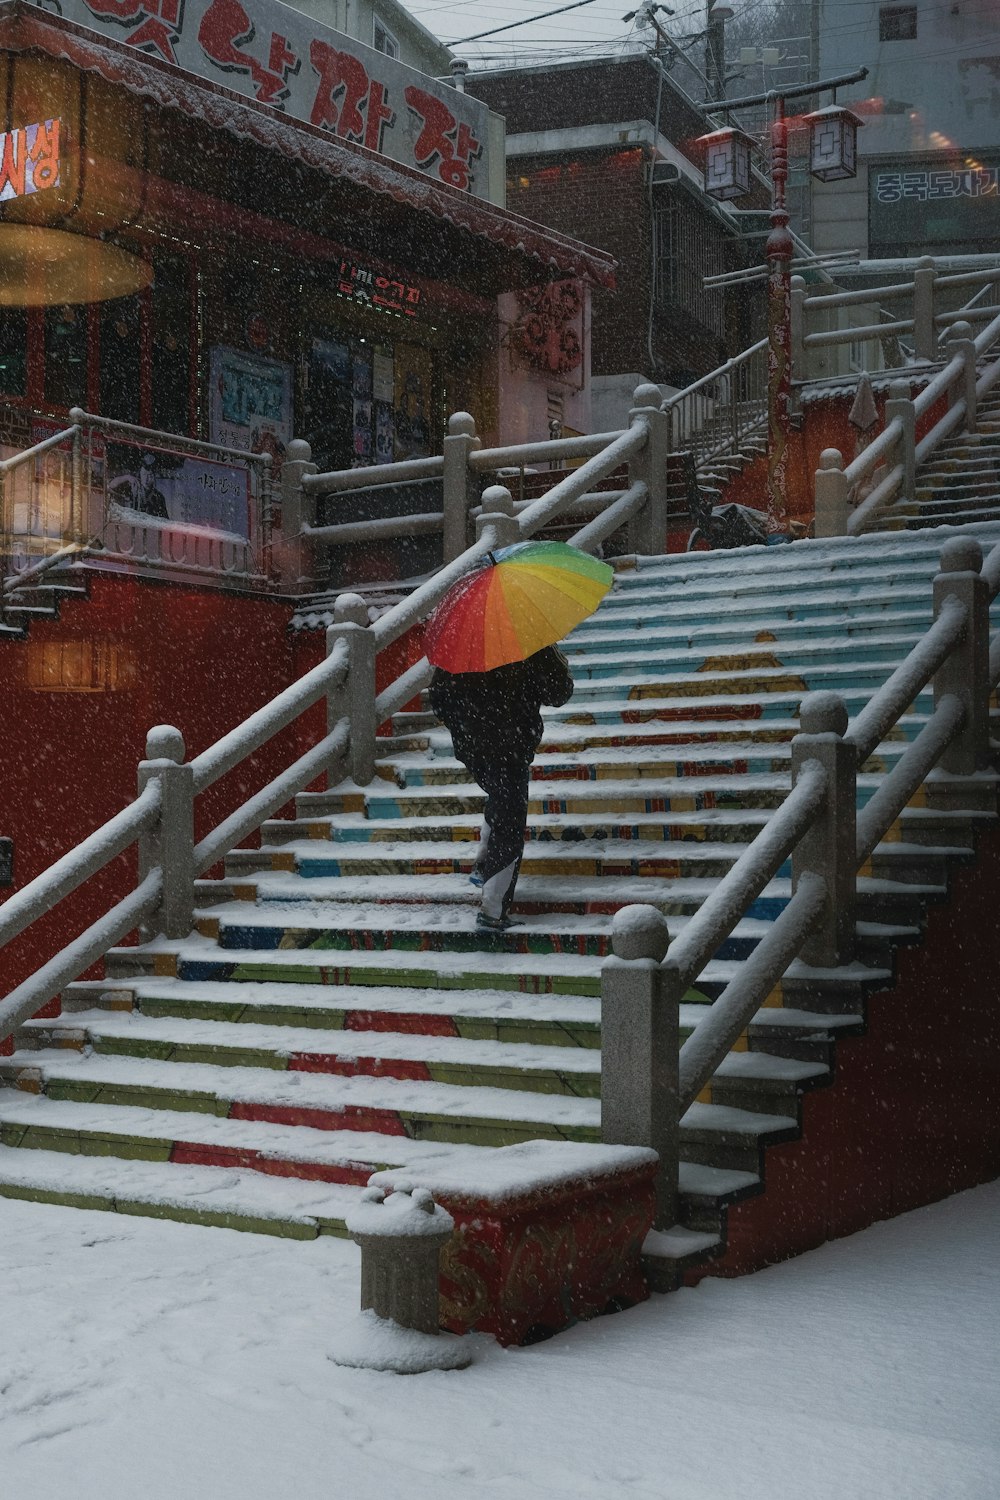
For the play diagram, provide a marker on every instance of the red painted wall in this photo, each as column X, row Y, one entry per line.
column 824, row 425
column 914, row 1111
column 200, row 659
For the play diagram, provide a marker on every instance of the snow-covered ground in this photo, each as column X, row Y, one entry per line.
column 159, row 1361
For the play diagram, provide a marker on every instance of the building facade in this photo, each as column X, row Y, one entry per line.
column 606, row 150
column 928, row 178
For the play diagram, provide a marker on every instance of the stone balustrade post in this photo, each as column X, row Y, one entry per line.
column 958, row 340
column 640, row 1008
column 497, row 512
column 647, row 530
column 460, row 487
column 832, row 492
column 899, row 404
column 925, row 339
column 298, row 510
column 966, row 672
column 401, row 1232
column 170, row 845
column 829, row 849
column 357, row 698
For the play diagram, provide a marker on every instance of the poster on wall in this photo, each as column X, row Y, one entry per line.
column 361, row 386
column 250, row 405
column 144, row 483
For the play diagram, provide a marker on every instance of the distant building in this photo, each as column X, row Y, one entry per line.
column 928, row 178
column 604, row 150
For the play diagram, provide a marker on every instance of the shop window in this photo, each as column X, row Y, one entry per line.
column 171, row 344
column 383, row 39
column 897, row 23
column 121, row 359
column 13, row 351
column 66, row 356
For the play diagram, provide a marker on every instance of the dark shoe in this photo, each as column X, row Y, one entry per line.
column 485, row 923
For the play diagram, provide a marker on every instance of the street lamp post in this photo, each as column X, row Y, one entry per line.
column 779, row 250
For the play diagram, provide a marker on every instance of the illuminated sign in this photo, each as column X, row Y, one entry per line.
column 942, row 203
column 269, row 52
column 29, row 160
column 374, row 290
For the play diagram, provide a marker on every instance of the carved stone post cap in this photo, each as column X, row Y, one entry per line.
column 647, row 394
column 640, row 932
column 164, row 742
column 963, row 554
column 461, row 424
column 960, row 330
column 831, row 458
column 350, row 609
column 297, row 450
column 497, row 499
column 926, row 263
column 823, row 713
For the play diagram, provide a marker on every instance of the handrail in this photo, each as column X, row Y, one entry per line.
column 938, row 385
column 373, row 474
column 756, row 867
column 607, row 522
column 549, row 451
column 879, row 446
column 912, row 675
column 151, row 435
column 578, row 481
column 730, row 365
column 742, row 997
column 28, row 998
column 7, row 465
column 79, row 864
column 883, row 491
column 908, row 774
column 14, row 582
column 240, row 824
column 342, row 532
column 227, row 752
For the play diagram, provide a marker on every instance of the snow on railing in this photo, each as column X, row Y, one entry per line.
column 161, row 819
column 645, row 981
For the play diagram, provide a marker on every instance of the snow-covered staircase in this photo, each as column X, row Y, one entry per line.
column 336, row 1012
column 960, row 483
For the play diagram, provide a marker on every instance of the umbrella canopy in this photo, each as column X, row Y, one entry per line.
column 523, row 598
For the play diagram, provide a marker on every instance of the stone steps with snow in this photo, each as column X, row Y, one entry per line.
column 337, row 1012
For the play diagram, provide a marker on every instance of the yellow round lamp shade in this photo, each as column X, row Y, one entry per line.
column 41, row 267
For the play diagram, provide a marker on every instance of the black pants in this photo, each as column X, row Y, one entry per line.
column 501, row 844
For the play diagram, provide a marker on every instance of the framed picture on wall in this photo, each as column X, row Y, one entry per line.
column 250, row 401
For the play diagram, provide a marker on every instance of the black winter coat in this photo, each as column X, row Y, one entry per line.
column 495, row 715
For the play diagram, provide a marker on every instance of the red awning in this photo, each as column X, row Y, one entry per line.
column 24, row 28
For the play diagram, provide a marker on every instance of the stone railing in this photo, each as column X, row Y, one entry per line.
column 896, row 448
column 163, row 504
column 160, row 822
column 826, row 325
column 647, row 1082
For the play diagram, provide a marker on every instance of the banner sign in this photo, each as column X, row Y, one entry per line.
column 29, row 160
column 144, row 482
column 937, row 203
column 279, row 56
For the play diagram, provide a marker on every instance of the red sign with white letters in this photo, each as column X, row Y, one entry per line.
column 278, row 56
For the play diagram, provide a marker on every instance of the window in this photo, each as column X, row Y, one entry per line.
column 897, row 23
column 384, row 41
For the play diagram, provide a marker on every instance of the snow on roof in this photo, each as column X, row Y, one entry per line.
column 25, row 28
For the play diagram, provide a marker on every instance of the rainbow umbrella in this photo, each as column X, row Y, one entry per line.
column 524, row 597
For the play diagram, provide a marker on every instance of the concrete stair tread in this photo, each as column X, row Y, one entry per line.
column 302, row 1092
column 208, row 1194
column 695, row 1180
column 289, row 1042
column 387, row 1001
